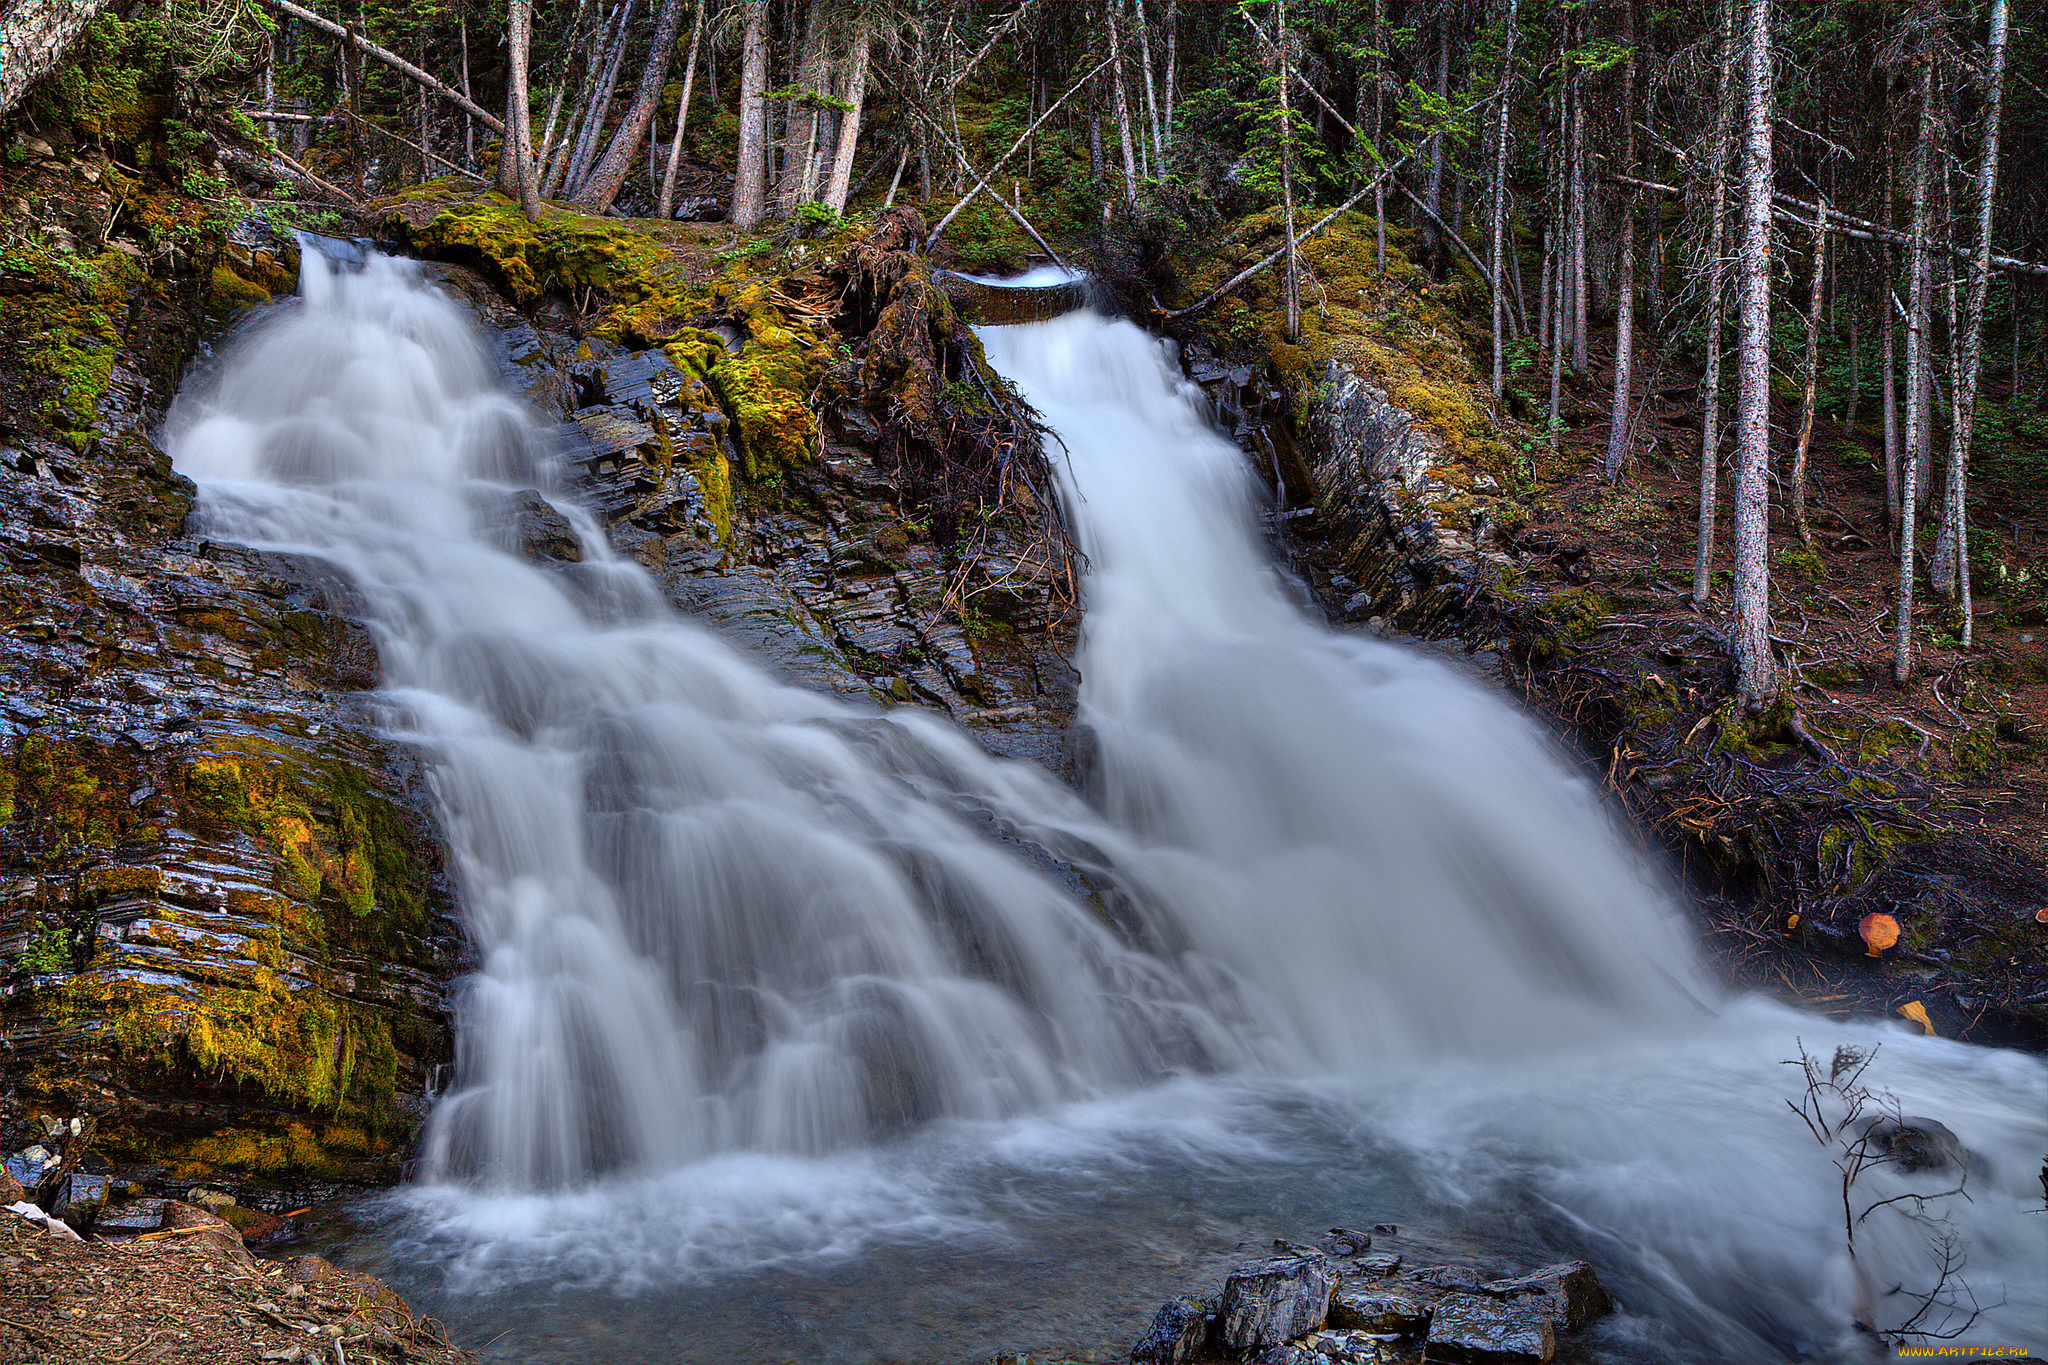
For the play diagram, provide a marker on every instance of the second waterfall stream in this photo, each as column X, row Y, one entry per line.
column 782, row 1041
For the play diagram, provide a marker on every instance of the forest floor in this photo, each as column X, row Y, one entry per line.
column 1927, row 803
column 195, row 1300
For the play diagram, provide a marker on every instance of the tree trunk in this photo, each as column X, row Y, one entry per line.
column 1578, row 222
column 1710, row 381
column 1434, row 247
column 1123, row 108
column 34, row 36
column 1973, row 321
column 468, row 122
column 1890, row 399
column 667, row 203
column 1500, row 203
column 1172, row 62
column 849, row 126
column 801, row 120
column 600, row 105
column 889, row 199
column 1756, row 670
column 1151, row 94
column 1094, row 141
column 1810, row 399
column 1379, row 194
column 1855, row 360
column 1917, row 339
column 1023, row 139
column 515, row 159
column 750, row 182
column 1625, row 269
column 555, row 152
column 1292, row 290
column 352, row 37
column 601, row 186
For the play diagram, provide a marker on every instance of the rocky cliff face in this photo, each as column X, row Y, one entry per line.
column 223, row 933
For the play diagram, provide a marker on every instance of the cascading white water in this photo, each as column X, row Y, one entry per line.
column 715, row 914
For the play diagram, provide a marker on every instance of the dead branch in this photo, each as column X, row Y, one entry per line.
column 392, row 60
column 997, row 164
column 1789, row 210
column 281, row 169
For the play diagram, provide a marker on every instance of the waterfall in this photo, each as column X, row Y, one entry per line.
column 715, row 915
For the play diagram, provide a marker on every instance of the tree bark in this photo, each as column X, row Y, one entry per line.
column 801, row 141
column 1973, row 320
column 849, row 126
column 1855, row 360
column 601, row 186
column 1151, row 94
column 515, row 155
column 1578, row 221
column 889, row 199
column 1891, row 412
column 468, row 120
column 1379, row 193
column 600, row 105
column 1710, row 381
column 665, row 206
column 1172, row 62
column 555, row 153
column 1916, row 380
column 1756, row 669
column 1123, row 108
column 1625, row 269
column 750, row 178
column 1500, row 202
column 34, row 36
column 1292, row 289
column 1810, row 399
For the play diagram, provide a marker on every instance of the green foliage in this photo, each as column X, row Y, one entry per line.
column 799, row 97
column 48, row 952
column 745, row 251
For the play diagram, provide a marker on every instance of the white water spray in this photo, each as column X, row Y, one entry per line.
column 718, row 915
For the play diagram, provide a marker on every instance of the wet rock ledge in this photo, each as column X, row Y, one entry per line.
column 1342, row 1303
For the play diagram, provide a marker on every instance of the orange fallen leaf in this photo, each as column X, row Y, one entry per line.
column 2042, row 914
column 1879, row 933
column 1791, row 923
column 1917, row 1012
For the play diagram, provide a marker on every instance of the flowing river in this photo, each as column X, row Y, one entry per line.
column 806, row 1032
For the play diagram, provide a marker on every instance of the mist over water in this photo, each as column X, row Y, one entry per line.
column 776, row 997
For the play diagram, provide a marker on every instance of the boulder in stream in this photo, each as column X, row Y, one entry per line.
column 1569, row 1292
column 1178, row 1330
column 1270, row 1301
column 1474, row 1329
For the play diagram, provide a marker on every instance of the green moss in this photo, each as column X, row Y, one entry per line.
column 55, row 796
column 1578, row 611
column 339, row 845
column 1802, row 561
column 564, row 251
column 1397, row 330
column 1976, row 751
column 1760, row 737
